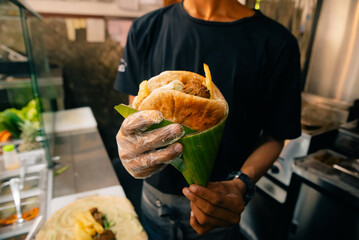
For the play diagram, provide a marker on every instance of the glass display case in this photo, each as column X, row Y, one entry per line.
column 25, row 76
column 29, row 95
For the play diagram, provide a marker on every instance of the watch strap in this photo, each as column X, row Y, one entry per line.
column 250, row 187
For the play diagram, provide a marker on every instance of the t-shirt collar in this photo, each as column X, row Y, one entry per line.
column 185, row 14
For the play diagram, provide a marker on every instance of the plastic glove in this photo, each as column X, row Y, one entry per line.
column 138, row 149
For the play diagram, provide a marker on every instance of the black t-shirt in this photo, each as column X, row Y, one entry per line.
column 254, row 62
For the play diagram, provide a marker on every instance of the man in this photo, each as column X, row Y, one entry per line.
column 255, row 64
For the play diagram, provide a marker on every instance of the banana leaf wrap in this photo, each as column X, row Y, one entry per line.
column 199, row 148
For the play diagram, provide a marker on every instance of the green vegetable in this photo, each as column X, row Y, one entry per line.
column 11, row 118
column 11, row 122
column 125, row 111
column 106, row 223
column 61, row 170
column 28, row 112
column 199, row 149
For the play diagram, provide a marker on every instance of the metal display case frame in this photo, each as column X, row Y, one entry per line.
column 24, row 76
column 33, row 81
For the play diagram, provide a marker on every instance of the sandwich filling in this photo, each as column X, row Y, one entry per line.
column 183, row 97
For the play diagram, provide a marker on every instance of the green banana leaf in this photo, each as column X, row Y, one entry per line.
column 199, row 149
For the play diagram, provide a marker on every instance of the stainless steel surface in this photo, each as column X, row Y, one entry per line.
column 7, row 209
column 34, row 192
column 352, row 169
column 318, row 169
column 327, row 204
column 319, row 216
column 319, row 116
column 281, row 170
column 34, row 186
column 352, row 126
column 35, row 227
column 347, row 141
column 34, row 160
column 89, row 165
column 49, row 195
column 13, row 55
column 275, row 191
column 34, row 179
column 15, row 190
column 28, row 183
column 12, row 83
column 22, row 174
column 323, row 112
column 262, row 219
column 333, row 70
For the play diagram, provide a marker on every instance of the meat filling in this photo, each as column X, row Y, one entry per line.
column 107, row 234
column 196, row 88
column 97, row 215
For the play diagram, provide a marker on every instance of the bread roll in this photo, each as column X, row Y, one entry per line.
column 198, row 113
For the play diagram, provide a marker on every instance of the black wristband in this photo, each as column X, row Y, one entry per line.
column 250, row 187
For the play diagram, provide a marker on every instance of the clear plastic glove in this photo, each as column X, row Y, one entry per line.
column 139, row 149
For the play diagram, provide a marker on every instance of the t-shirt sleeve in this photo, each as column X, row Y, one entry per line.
column 128, row 74
column 282, row 119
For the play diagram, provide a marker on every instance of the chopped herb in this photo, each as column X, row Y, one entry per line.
column 106, row 223
column 61, row 170
column 112, row 223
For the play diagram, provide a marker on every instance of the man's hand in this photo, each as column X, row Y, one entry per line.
column 218, row 205
column 137, row 147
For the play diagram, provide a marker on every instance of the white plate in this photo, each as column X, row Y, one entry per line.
column 60, row 202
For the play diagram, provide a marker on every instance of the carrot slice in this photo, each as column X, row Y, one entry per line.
column 5, row 136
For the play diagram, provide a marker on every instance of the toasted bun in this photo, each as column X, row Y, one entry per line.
column 118, row 210
column 192, row 111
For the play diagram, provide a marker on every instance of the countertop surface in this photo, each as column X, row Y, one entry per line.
column 327, row 178
column 89, row 166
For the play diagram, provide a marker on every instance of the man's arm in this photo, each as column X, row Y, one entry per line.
column 263, row 157
column 221, row 203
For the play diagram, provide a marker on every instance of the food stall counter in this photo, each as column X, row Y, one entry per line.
column 320, row 193
column 82, row 161
column 84, row 181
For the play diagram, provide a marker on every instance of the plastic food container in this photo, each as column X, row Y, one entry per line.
column 11, row 161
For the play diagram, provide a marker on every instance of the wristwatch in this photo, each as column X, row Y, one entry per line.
column 250, row 187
